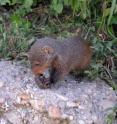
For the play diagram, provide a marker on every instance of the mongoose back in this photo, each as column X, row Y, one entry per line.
column 61, row 57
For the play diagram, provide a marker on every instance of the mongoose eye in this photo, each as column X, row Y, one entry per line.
column 37, row 63
column 40, row 74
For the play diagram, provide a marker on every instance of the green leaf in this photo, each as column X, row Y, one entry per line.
column 83, row 7
column 75, row 5
column 54, row 2
column 106, row 12
column 111, row 11
column 4, row 2
column 16, row 19
column 59, row 8
column 114, row 20
column 116, row 9
column 16, row 1
column 66, row 2
column 28, row 3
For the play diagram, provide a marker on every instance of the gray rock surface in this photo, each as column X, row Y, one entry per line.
column 67, row 102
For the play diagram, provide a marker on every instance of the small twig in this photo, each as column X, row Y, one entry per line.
column 87, row 34
column 112, row 64
column 22, row 54
column 107, row 70
column 58, row 20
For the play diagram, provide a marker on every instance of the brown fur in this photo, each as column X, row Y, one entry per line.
column 61, row 57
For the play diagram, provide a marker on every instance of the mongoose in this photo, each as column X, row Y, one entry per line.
column 60, row 57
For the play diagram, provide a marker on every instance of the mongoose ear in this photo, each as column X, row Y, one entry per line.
column 48, row 49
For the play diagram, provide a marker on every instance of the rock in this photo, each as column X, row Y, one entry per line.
column 42, row 82
column 1, row 84
column 71, row 118
column 81, row 122
column 37, row 104
column 94, row 118
column 18, row 100
column 54, row 112
column 36, row 120
column 7, row 106
column 63, row 98
column 66, row 102
column 107, row 104
column 14, row 117
column 24, row 96
column 3, row 121
column 73, row 104
column 2, row 101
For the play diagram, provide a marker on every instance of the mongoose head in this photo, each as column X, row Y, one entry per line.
column 40, row 58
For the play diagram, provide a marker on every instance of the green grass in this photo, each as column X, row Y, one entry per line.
column 13, row 38
column 111, row 117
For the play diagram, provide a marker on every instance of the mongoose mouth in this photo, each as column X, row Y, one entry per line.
column 39, row 70
column 43, row 81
